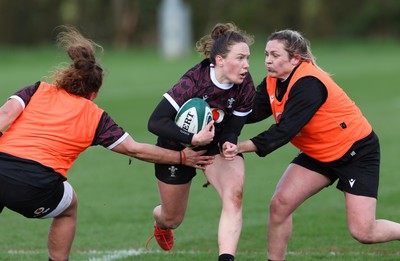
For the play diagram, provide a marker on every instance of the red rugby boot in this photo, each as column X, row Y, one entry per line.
column 164, row 237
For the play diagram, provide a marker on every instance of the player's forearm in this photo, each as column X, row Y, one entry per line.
column 246, row 146
column 155, row 154
column 9, row 112
column 147, row 152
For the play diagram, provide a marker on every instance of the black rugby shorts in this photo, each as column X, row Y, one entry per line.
column 357, row 171
column 27, row 200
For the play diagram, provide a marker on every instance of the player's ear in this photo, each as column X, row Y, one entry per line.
column 219, row 60
column 295, row 60
column 93, row 96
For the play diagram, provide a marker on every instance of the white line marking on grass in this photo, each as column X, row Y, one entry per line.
column 115, row 254
column 21, row 251
column 112, row 255
column 343, row 253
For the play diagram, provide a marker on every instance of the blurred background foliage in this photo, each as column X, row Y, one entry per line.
column 124, row 23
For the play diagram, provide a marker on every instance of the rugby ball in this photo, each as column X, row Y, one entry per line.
column 193, row 115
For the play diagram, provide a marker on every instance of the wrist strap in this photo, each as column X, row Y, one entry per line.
column 182, row 157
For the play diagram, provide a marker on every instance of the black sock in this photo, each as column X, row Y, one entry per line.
column 226, row 257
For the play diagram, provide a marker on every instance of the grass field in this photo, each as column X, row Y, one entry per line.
column 116, row 199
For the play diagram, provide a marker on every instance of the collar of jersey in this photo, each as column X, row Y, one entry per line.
column 223, row 86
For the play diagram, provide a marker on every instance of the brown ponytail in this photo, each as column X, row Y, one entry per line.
column 84, row 75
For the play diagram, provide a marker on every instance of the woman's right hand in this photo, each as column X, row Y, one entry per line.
column 205, row 136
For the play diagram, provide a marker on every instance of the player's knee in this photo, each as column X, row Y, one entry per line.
column 237, row 198
column 279, row 207
column 363, row 238
column 233, row 200
column 362, row 235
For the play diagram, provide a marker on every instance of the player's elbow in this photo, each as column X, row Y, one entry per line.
column 152, row 126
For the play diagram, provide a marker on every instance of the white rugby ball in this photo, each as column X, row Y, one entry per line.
column 193, row 115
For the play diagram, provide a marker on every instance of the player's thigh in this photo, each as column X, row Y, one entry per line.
column 226, row 175
column 174, row 198
column 297, row 184
column 360, row 211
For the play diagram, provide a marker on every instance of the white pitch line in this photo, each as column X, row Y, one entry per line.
column 116, row 254
column 113, row 255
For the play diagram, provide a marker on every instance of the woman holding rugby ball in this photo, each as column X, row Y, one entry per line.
column 223, row 80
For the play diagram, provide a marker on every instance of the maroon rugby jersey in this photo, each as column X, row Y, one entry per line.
column 199, row 81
